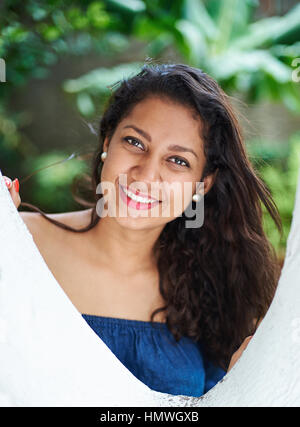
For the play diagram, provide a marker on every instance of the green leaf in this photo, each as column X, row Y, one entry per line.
column 76, row 18
column 194, row 41
column 290, row 96
column 97, row 15
column 269, row 30
column 195, row 12
column 97, row 81
column 234, row 62
column 133, row 6
column 85, row 104
column 160, row 43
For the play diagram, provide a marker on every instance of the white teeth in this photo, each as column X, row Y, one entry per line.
column 137, row 198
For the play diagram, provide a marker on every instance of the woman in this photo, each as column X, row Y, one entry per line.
column 208, row 285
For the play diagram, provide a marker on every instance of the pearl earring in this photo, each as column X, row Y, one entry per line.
column 103, row 155
column 196, row 197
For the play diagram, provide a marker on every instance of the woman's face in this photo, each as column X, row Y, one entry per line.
column 156, row 151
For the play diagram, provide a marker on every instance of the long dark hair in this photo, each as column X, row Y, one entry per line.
column 218, row 279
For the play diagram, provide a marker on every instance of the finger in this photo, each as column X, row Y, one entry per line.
column 8, row 182
column 236, row 355
column 243, row 346
column 14, row 191
column 245, row 343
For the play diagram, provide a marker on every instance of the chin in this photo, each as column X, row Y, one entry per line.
column 139, row 223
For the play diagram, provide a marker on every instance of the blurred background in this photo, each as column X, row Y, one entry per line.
column 62, row 57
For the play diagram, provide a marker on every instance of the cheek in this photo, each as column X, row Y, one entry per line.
column 113, row 165
column 180, row 194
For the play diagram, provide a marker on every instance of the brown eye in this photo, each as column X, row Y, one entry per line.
column 186, row 164
column 135, row 142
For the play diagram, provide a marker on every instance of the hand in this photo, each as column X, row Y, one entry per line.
column 235, row 357
column 13, row 187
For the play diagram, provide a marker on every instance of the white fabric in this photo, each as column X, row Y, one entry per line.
column 49, row 356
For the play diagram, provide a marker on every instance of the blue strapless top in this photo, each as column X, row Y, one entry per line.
column 153, row 356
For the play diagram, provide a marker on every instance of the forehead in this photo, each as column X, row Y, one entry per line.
column 167, row 119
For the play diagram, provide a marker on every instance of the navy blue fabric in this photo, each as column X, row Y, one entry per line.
column 152, row 355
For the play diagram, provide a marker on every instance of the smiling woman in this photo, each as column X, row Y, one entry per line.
column 207, row 286
column 149, row 159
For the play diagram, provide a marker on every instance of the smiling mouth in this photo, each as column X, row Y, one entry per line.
column 136, row 200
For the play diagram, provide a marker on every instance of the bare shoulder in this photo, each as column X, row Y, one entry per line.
column 76, row 219
column 33, row 221
column 41, row 228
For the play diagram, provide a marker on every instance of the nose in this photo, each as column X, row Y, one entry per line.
column 147, row 170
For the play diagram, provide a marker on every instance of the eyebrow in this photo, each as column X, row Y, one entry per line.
column 178, row 148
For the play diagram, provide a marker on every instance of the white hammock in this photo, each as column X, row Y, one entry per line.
column 49, row 355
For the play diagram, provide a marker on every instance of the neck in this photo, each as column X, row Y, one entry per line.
column 126, row 251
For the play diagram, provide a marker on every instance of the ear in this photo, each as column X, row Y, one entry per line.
column 105, row 144
column 209, row 181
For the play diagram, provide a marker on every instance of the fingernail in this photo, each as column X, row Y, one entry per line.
column 8, row 182
column 17, row 185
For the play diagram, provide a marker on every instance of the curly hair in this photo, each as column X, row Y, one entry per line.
column 218, row 280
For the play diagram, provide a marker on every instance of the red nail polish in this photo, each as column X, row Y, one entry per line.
column 16, row 184
column 7, row 182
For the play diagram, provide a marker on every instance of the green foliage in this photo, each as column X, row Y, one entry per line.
column 218, row 36
column 254, row 58
column 222, row 37
column 241, row 54
column 35, row 33
column 279, row 169
column 51, row 187
column 95, row 83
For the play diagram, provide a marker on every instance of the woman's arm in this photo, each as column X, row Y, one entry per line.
column 235, row 357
